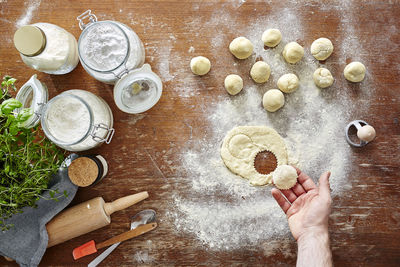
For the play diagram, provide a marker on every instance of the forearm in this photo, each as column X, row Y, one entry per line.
column 314, row 249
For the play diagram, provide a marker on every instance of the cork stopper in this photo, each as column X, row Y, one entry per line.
column 29, row 40
column 83, row 171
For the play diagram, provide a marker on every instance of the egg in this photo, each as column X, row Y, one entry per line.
column 366, row 133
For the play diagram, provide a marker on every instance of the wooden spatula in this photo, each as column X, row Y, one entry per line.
column 91, row 247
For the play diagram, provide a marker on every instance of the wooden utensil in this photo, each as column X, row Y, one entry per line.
column 91, row 247
column 86, row 217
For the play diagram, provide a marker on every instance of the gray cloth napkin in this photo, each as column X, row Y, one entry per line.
column 26, row 242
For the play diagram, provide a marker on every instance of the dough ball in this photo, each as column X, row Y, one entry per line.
column 241, row 47
column 260, row 72
column 354, row 72
column 321, row 48
column 284, row 177
column 273, row 100
column 323, row 77
column 271, row 37
column 200, row 65
column 288, row 83
column 366, row 133
column 233, row 84
column 293, row 52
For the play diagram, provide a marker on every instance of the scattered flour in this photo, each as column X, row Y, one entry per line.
column 143, row 257
column 26, row 17
column 222, row 210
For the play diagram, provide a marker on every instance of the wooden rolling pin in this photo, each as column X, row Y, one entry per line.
column 86, row 217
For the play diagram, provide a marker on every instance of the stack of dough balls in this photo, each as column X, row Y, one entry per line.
column 284, row 177
column 273, row 99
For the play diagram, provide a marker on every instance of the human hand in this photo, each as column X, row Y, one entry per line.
column 306, row 206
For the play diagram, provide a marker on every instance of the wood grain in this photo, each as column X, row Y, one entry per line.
column 143, row 155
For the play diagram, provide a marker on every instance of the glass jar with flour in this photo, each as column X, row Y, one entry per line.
column 75, row 120
column 47, row 48
column 112, row 53
column 108, row 49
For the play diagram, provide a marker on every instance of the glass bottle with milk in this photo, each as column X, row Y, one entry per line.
column 47, row 48
column 112, row 53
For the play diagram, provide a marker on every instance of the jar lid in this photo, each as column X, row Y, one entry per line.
column 103, row 46
column 29, row 40
column 138, row 91
column 83, row 171
column 33, row 94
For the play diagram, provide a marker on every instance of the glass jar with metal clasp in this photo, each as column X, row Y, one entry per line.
column 112, row 53
column 108, row 49
column 75, row 120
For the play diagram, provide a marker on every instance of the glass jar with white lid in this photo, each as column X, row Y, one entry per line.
column 75, row 120
column 111, row 52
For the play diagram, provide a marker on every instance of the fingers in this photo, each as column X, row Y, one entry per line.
column 298, row 189
column 282, row 202
column 289, row 194
column 306, row 182
column 324, row 188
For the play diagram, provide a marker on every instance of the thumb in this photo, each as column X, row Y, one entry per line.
column 324, row 188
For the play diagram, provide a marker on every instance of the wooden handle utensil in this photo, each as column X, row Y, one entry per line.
column 91, row 247
column 86, row 217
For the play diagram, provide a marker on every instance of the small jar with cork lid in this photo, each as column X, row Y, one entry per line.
column 87, row 170
column 47, row 48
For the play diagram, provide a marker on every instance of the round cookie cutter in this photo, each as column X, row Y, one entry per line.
column 358, row 124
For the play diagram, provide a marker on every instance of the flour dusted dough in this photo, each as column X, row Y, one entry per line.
column 321, row 48
column 271, row 37
column 200, row 65
column 285, row 177
column 241, row 146
column 241, row 47
column 293, row 52
column 354, row 72
column 323, row 78
column 260, row 72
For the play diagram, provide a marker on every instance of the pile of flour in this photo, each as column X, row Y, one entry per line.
column 222, row 210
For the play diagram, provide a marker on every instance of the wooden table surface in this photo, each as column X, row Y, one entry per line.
column 144, row 154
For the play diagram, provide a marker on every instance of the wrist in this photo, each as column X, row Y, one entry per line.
column 314, row 249
column 312, row 233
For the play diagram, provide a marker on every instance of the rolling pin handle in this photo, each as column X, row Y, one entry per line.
column 124, row 202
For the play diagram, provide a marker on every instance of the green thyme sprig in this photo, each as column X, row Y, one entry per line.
column 27, row 158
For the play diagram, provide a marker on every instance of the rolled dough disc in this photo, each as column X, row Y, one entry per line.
column 241, row 146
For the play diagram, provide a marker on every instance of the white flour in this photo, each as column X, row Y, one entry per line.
column 104, row 47
column 224, row 211
column 26, row 18
column 68, row 119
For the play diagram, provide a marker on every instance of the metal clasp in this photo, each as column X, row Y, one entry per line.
column 40, row 109
column 85, row 15
column 109, row 136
